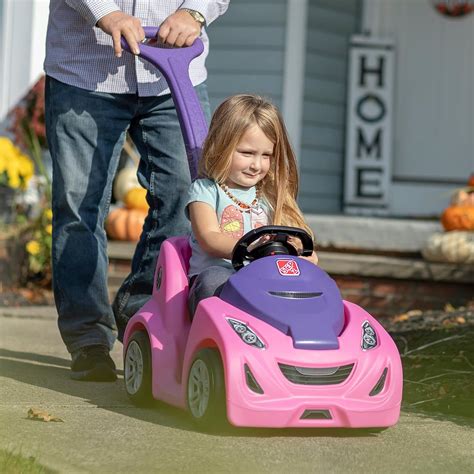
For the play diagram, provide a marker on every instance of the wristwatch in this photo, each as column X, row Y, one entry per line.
column 196, row 15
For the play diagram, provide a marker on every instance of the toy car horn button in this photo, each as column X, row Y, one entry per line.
column 288, row 267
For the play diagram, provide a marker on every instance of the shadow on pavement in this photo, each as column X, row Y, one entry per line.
column 52, row 373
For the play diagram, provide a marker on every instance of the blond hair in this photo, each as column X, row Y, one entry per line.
column 230, row 121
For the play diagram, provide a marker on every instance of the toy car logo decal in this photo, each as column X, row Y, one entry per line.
column 288, row 267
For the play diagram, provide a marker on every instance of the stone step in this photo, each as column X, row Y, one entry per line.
column 384, row 285
column 337, row 263
column 119, row 250
column 352, row 233
column 372, row 234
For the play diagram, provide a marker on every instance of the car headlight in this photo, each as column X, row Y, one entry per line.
column 245, row 333
column 369, row 337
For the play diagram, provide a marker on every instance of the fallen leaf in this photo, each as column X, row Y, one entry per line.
column 447, row 322
column 449, row 308
column 40, row 415
column 461, row 320
column 26, row 293
column 407, row 315
column 402, row 317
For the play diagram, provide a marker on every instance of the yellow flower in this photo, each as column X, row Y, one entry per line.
column 3, row 162
column 48, row 214
column 49, row 229
column 18, row 167
column 33, row 247
column 13, row 178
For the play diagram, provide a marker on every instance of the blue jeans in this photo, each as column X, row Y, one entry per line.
column 208, row 283
column 86, row 131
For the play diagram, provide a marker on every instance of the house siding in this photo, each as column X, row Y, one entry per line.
column 247, row 50
column 330, row 25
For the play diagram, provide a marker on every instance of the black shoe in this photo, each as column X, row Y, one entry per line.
column 93, row 363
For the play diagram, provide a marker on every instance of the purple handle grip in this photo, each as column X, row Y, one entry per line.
column 173, row 63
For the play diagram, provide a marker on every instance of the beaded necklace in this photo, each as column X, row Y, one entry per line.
column 243, row 207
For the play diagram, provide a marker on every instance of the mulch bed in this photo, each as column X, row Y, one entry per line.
column 29, row 296
column 437, row 350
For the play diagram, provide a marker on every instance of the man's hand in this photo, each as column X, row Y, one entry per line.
column 179, row 29
column 118, row 24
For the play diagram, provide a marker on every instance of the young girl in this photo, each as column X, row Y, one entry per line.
column 249, row 180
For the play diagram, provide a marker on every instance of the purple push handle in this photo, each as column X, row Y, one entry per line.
column 173, row 63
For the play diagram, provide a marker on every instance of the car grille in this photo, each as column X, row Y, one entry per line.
column 316, row 375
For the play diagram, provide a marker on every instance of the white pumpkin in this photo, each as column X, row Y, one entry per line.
column 452, row 247
column 125, row 180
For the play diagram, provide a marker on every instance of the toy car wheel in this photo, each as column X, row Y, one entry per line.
column 137, row 369
column 206, row 389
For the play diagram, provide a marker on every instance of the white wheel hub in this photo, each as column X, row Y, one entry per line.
column 198, row 388
column 133, row 368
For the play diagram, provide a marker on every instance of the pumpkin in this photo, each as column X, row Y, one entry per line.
column 125, row 180
column 453, row 247
column 125, row 224
column 136, row 199
column 460, row 217
column 463, row 197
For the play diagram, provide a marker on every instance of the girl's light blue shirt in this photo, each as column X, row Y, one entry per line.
column 231, row 219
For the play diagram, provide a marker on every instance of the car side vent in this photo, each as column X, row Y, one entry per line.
column 295, row 294
column 380, row 383
column 316, row 375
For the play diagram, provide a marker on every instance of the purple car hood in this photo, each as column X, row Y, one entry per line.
column 292, row 295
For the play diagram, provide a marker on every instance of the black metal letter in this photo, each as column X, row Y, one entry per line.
column 363, row 145
column 378, row 71
column 377, row 101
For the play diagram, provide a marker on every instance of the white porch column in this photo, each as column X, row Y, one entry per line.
column 22, row 34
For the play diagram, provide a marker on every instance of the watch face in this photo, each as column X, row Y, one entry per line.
column 196, row 15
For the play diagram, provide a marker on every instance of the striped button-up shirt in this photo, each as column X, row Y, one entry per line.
column 80, row 54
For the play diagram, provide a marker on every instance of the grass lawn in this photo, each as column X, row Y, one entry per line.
column 11, row 463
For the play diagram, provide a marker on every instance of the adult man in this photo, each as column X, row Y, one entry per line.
column 92, row 99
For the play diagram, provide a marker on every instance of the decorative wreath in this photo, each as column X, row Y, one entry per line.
column 454, row 8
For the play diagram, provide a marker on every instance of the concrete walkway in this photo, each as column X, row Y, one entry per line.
column 102, row 431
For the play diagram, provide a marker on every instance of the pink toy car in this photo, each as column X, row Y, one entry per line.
column 278, row 347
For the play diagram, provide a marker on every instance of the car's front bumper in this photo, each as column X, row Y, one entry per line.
column 284, row 403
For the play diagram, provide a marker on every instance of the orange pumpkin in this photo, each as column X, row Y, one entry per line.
column 458, row 218
column 125, row 224
column 136, row 199
column 125, row 180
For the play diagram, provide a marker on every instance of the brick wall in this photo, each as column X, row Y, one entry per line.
column 383, row 297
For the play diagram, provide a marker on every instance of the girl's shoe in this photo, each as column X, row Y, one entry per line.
column 93, row 364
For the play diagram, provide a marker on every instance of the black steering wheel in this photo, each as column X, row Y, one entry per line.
column 278, row 244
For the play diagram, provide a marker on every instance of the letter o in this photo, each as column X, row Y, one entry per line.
column 378, row 101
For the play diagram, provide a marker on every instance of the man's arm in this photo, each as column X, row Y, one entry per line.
column 181, row 29
column 209, row 9
column 111, row 20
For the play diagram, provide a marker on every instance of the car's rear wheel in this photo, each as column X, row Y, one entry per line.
column 206, row 389
column 137, row 369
